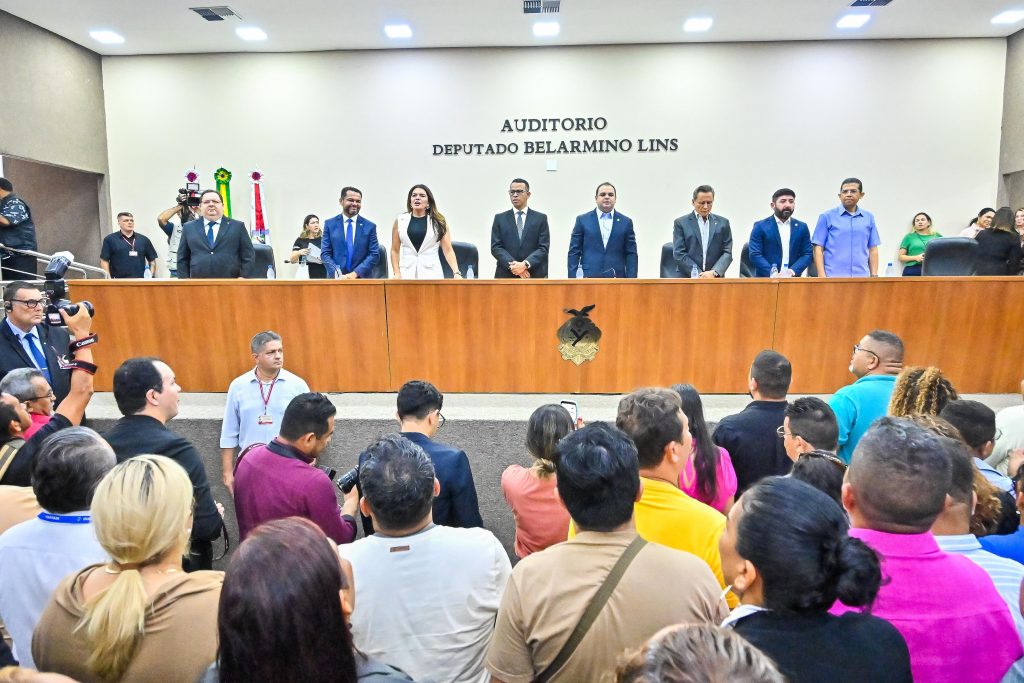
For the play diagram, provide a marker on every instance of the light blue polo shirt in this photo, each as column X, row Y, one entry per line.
column 857, row 405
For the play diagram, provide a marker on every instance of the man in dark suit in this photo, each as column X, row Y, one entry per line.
column 780, row 240
column 520, row 237
column 702, row 239
column 419, row 414
column 214, row 245
column 26, row 343
column 603, row 243
column 349, row 247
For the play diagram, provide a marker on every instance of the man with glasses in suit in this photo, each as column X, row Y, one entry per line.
column 27, row 343
column 520, row 237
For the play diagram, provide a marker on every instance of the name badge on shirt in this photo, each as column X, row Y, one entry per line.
column 265, row 420
column 133, row 253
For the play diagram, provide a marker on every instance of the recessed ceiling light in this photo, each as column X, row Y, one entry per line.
column 107, row 37
column 250, row 33
column 698, row 24
column 853, row 20
column 1010, row 16
column 398, row 31
column 546, row 29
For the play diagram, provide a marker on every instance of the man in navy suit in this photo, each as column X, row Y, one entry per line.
column 25, row 305
column 349, row 246
column 214, row 245
column 780, row 240
column 603, row 242
column 520, row 237
column 419, row 414
column 701, row 239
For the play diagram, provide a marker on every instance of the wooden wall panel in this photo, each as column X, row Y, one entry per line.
column 335, row 334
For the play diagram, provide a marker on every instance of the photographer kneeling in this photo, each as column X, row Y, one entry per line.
column 280, row 479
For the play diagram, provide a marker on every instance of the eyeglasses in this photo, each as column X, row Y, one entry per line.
column 30, row 303
column 858, row 347
column 440, row 420
column 781, row 431
column 998, row 435
column 50, row 396
column 515, row 192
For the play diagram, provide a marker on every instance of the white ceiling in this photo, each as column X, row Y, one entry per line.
column 168, row 26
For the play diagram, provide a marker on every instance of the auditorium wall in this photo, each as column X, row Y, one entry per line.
column 1012, row 158
column 918, row 121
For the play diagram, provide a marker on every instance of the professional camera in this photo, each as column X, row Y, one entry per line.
column 189, row 195
column 328, row 470
column 349, row 480
column 56, row 289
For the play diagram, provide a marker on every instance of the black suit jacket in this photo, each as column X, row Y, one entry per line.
column 54, row 341
column 688, row 250
column 506, row 245
column 232, row 254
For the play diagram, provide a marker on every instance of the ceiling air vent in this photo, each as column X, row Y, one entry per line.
column 215, row 13
column 541, row 6
column 869, row 3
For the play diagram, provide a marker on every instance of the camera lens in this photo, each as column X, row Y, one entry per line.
column 349, row 480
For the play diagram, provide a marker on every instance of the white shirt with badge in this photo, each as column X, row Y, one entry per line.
column 254, row 409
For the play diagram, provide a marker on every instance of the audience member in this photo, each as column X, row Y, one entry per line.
column 603, row 242
column 30, row 387
column 976, row 423
column 701, row 239
column 914, row 243
column 17, row 504
column 280, row 480
column 921, row 391
column 540, row 516
column 808, row 425
column 520, row 237
column 611, row 592
column 781, row 241
column 427, row 594
column 37, row 554
column 1010, row 427
column 140, row 617
column 17, row 452
column 751, row 436
column 786, row 552
column 698, row 653
column 349, row 246
column 822, row 470
column 654, row 420
column 877, row 360
column 146, row 393
column 126, row 253
column 983, row 221
column 846, row 238
column 309, row 640
column 708, row 475
column 896, row 487
column 998, row 251
column 419, row 418
column 303, row 250
column 17, row 231
column 25, row 342
column 256, row 401
column 214, row 245
column 1010, row 546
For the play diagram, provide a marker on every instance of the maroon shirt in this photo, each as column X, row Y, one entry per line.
column 277, row 481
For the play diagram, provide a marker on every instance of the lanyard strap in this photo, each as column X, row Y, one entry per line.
column 65, row 519
column 270, row 392
column 131, row 245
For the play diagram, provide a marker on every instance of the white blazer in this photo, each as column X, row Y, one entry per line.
column 424, row 264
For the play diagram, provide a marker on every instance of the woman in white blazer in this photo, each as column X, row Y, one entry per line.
column 416, row 238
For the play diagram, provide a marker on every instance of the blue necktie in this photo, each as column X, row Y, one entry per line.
column 350, row 242
column 606, row 215
column 37, row 354
column 209, row 233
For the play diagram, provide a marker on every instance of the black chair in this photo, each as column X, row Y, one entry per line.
column 949, row 256
column 746, row 269
column 380, row 271
column 669, row 268
column 264, row 259
column 467, row 255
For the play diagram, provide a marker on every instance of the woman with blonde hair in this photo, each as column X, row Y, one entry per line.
column 417, row 236
column 310, row 236
column 921, row 391
column 140, row 617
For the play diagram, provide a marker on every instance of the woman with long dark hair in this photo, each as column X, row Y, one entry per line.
column 999, row 251
column 417, row 236
column 709, row 475
column 787, row 553
column 310, row 236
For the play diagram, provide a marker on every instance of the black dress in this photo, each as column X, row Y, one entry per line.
column 998, row 253
column 317, row 271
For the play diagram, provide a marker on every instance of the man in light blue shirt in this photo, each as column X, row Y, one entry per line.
column 256, row 402
column 876, row 361
column 846, row 238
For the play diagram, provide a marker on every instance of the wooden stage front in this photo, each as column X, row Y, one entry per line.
column 500, row 335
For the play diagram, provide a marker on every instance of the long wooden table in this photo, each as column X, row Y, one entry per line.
column 500, row 335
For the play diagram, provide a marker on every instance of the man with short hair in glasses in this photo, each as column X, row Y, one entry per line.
column 876, row 361
column 810, row 436
column 29, row 386
column 520, row 237
column 25, row 342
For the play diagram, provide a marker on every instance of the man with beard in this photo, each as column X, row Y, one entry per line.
column 780, row 240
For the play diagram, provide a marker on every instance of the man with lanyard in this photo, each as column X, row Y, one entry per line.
column 126, row 253
column 256, row 402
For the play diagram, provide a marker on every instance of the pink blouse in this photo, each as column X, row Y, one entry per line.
column 726, row 481
column 541, row 518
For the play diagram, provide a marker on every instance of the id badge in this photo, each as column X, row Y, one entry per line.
column 266, row 420
column 133, row 253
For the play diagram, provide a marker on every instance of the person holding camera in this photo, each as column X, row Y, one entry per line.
column 185, row 211
column 25, row 342
column 280, row 479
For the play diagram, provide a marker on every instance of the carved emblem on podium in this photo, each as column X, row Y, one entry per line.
column 579, row 337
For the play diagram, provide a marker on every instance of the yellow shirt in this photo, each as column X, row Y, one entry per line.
column 667, row 516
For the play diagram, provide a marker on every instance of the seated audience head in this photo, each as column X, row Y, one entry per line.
column 921, row 391
column 653, row 418
column 25, row 305
column 545, row 428
column 30, row 387
column 267, row 352
column 705, row 452
column 398, row 485
column 898, row 478
column 284, row 625
column 786, row 548
column 68, row 467
column 697, row 653
column 809, row 424
column 823, row 470
column 598, row 477
column 976, row 423
column 14, row 418
column 419, row 407
column 146, row 386
column 142, row 514
column 877, row 353
column 960, row 498
column 984, row 219
column 770, row 375
column 308, row 423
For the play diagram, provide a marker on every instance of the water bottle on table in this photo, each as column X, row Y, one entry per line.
column 694, row 273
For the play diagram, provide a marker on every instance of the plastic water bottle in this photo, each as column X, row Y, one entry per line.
column 271, row 275
column 147, row 273
column 469, row 273
column 579, row 271
column 302, row 259
column 888, row 269
column 775, row 271
column 694, row 273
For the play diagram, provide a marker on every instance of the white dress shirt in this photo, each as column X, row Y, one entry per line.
column 244, row 407
column 216, row 227
column 606, row 225
column 784, row 232
column 705, row 236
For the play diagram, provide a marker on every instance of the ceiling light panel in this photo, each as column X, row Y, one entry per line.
column 398, row 31
column 250, row 33
column 849, row 21
column 1011, row 16
column 107, row 37
column 546, row 29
